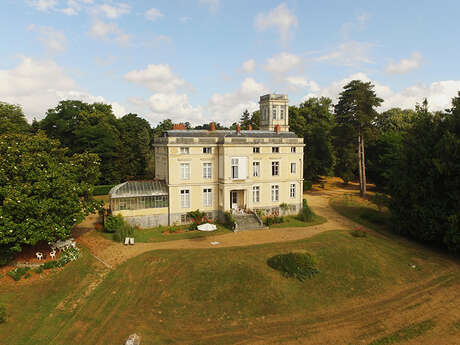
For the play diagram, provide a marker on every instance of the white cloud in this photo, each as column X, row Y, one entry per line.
column 112, row 11
column 350, row 53
column 227, row 108
column 405, row 65
column 296, row 83
column 213, row 5
column 111, row 31
column 279, row 18
column 38, row 85
column 173, row 106
column 439, row 94
column 248, row 66
column 283, row 63
column 70, row 11
column 158, row 78
column 53, row 40
column 153, row 14
column 43, row 5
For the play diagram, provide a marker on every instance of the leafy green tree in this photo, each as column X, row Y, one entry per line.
column 314, row 121
column 356, row 112
column 12, row 119
column 245, row 119
column 84, row 127
column 425, row 182
column 164, row 125
column 43, row 190
column 136, row 138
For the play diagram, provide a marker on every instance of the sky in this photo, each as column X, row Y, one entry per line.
column 209, row 60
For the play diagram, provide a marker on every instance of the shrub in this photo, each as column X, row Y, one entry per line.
column 229, row 221
column 50, row 264
column 39, row 269
column 18, row 272
column 66, row 256
column 102, row 189
column 307, row 185
column 306, row 214
column 113, row 223
column 296, row 265
column 381, row 200
column 3, row 317
column 5, row 256
column 358, row 233
column 125, row 231
column 270, row 220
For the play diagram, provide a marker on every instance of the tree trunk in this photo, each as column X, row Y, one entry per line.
column 360, row 165
column 363, row 165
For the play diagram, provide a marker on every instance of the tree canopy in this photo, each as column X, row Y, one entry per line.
column 12, row 119
column 43, row 190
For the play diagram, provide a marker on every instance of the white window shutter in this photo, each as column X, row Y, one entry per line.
column 243, row 168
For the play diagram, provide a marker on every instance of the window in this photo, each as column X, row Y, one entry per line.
column 256, row 150
column 274, row 112
column 184, row 218
column 275, row 193
column 207, row 197
column 275, row 149
column 282, row 113
column 256, row 194
column 235, row 167
column 293, row 149
column 292, row 190
column 184, row 150
column 207, row 170
column 185, row 198
column 184, row 171
column 266, row 114
column 275, row 168
column 256, row 169
column 207, row 150
column 293, row 168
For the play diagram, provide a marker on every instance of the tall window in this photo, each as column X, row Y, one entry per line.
column 256, row 150
column 274, row 112
column 282, row 113
column 275, row 149
column 184, row 150
column 207, row 170
column 275, row 168
column 275, row 193
column 293, row 168
column 256, row 169
column 184, row 171
column 235, row 167
column 185, row 198
column 293, row 149
column 207, row 197
column 292, row 190
column 207, row 150
column 256, row 194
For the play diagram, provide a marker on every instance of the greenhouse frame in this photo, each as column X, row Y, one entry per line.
column 138, row 195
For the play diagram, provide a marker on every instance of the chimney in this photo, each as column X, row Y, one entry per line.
column 250, row 127
column 277, row 129
column 179, row 126
column 212, row 127
column 238, row 129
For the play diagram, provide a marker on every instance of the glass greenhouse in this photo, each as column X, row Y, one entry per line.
column 136, row 195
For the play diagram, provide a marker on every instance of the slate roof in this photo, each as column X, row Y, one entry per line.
column 203, row 133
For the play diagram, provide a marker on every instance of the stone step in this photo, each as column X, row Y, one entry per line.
column 248, row 222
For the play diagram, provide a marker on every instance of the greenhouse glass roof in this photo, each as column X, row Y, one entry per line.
column 139, row 188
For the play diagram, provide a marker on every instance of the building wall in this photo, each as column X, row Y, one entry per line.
column 145, row 218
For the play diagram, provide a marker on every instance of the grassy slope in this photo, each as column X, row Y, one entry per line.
column 294, row 222
column 177, row 296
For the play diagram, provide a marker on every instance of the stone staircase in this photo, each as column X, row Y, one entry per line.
column 248, row 222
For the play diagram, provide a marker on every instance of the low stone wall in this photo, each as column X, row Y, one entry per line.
column 147, row 221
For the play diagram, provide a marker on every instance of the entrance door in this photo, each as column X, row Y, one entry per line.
column 233, row 199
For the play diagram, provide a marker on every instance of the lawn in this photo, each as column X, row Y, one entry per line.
column 295, row 222
column 163, row 233
column 362, row 212
column 231, row 295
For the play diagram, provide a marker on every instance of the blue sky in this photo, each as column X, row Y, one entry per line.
column 203, row 60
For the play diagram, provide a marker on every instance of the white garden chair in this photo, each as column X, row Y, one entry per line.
column 53, row 254
column 131, row 240
column 39, row 255
column 126, row 241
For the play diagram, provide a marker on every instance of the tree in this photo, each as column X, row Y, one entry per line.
column 136, row 138
column 314, row 121
column 245, row 119
column 12, row 119
column 164, row 125
column 43, row 190
column 84, row 127
column 425, row 181
column 356, row 111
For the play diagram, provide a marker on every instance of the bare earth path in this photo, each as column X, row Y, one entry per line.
column 115, row 253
